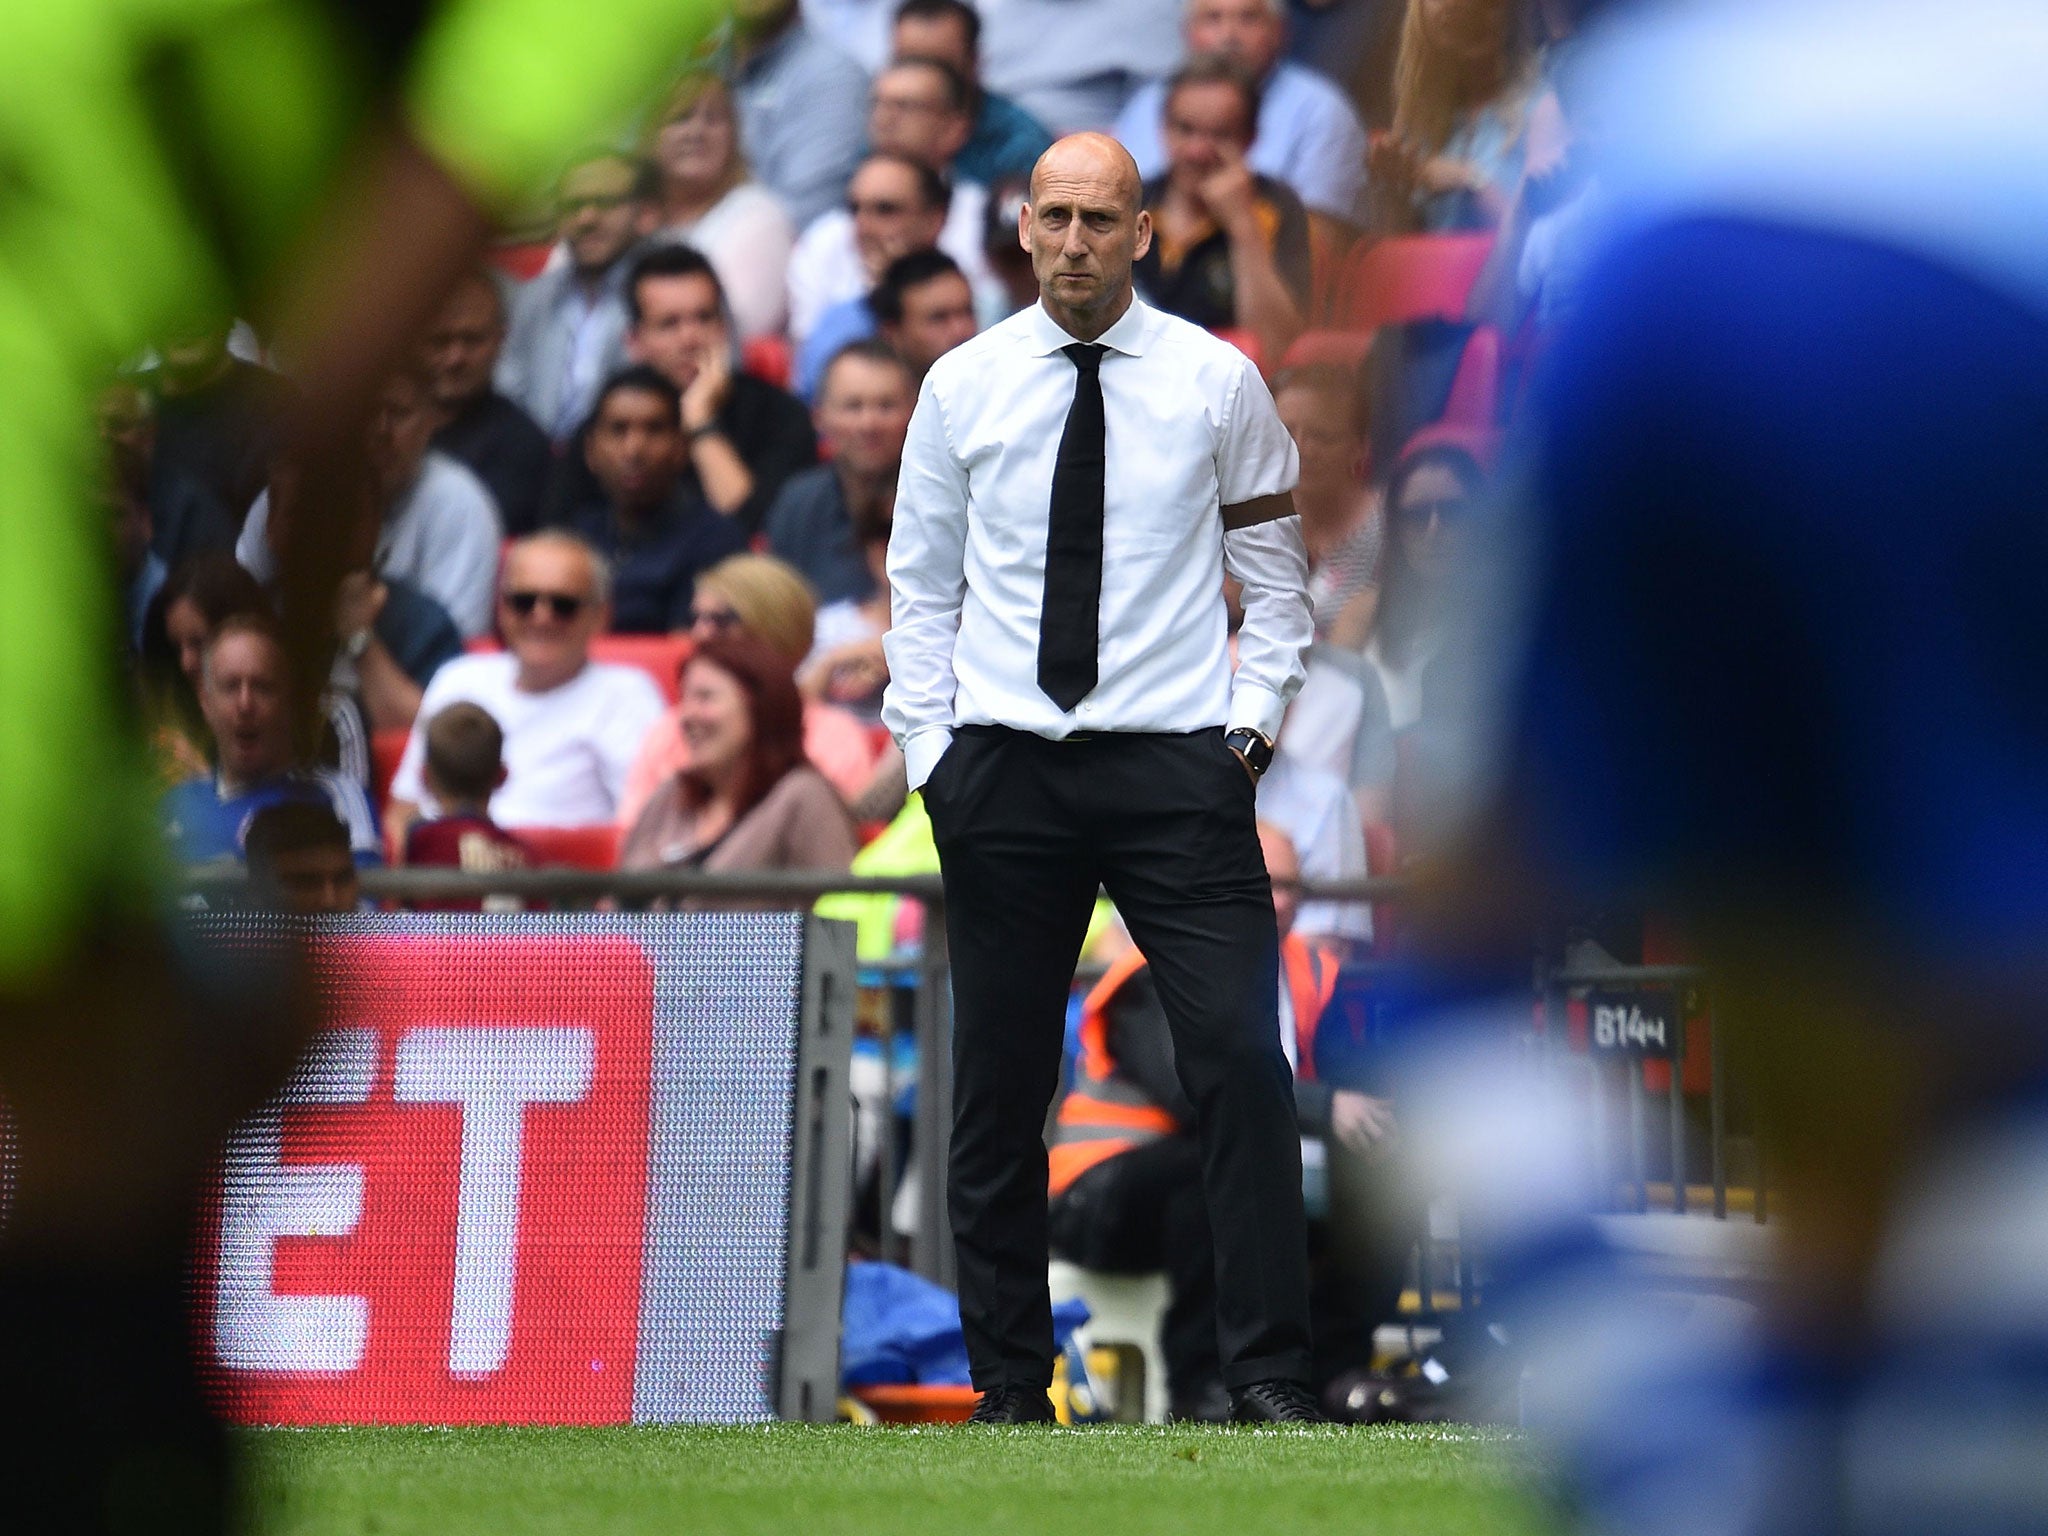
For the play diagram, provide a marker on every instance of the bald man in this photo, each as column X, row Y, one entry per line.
column 1061, row 687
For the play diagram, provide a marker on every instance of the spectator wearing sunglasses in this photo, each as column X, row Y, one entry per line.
column 1429, row 498
column 657, row 534
column 571, row 725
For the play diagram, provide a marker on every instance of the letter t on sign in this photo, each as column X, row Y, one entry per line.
column 493, row 1073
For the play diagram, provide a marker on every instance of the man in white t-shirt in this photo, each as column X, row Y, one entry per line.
column 441, row 528
column 572, row 726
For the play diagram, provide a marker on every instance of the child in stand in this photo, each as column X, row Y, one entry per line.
column 464, row 766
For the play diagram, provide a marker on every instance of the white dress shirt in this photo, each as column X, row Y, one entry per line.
column 1190, row 428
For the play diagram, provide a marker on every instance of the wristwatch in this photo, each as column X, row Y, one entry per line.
column 1255, row 747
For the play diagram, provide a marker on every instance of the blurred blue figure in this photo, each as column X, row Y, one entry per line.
column 1780, row 664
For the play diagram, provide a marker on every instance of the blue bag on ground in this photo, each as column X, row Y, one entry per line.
column 899, row 1328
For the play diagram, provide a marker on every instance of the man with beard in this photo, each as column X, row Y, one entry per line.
column 742, row 436
column 656, row 533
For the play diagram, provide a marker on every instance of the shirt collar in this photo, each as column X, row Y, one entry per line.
column 1130, row 334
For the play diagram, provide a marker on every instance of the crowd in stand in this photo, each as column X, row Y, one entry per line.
column 680, row 417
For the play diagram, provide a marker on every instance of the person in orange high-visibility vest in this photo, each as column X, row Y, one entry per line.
column 1125, row 1166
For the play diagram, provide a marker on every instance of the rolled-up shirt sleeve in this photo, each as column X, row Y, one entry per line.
column 1257, row 458
column 927, row 583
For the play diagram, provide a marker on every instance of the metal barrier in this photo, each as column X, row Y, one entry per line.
column 1620, row 1117
column 1635, row 1015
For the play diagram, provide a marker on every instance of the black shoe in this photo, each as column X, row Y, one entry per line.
column 1275, row 1402
column 1013, row 1405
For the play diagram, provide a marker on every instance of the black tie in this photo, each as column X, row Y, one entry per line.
column 1067, row 624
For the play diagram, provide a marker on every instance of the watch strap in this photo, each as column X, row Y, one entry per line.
column 1255, row 747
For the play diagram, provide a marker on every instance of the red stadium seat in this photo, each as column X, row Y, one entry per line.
column 386, row 748
column 661, row 657
column 767, row 358
column 1475, row 390
column 592, row 847
column 1410, row 277
column 1340, row 349
column 524, row 261
column 1474, row 399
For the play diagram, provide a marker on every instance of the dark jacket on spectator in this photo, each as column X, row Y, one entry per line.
column 511, row 455
column 186, row 518
column 656, row 563
column 225, row 434
column 809, row 526
column 416, row 630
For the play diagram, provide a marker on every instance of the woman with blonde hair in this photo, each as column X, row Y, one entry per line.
column 1465, row 88
column 760, row 597
column 710, row 200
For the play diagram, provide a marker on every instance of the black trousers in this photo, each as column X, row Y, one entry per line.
column 1027, row 829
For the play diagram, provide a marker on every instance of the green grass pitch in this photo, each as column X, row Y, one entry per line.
column 846, row 1481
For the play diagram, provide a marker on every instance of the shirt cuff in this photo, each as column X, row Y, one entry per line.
column 922, row 751
column 1260, row 708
